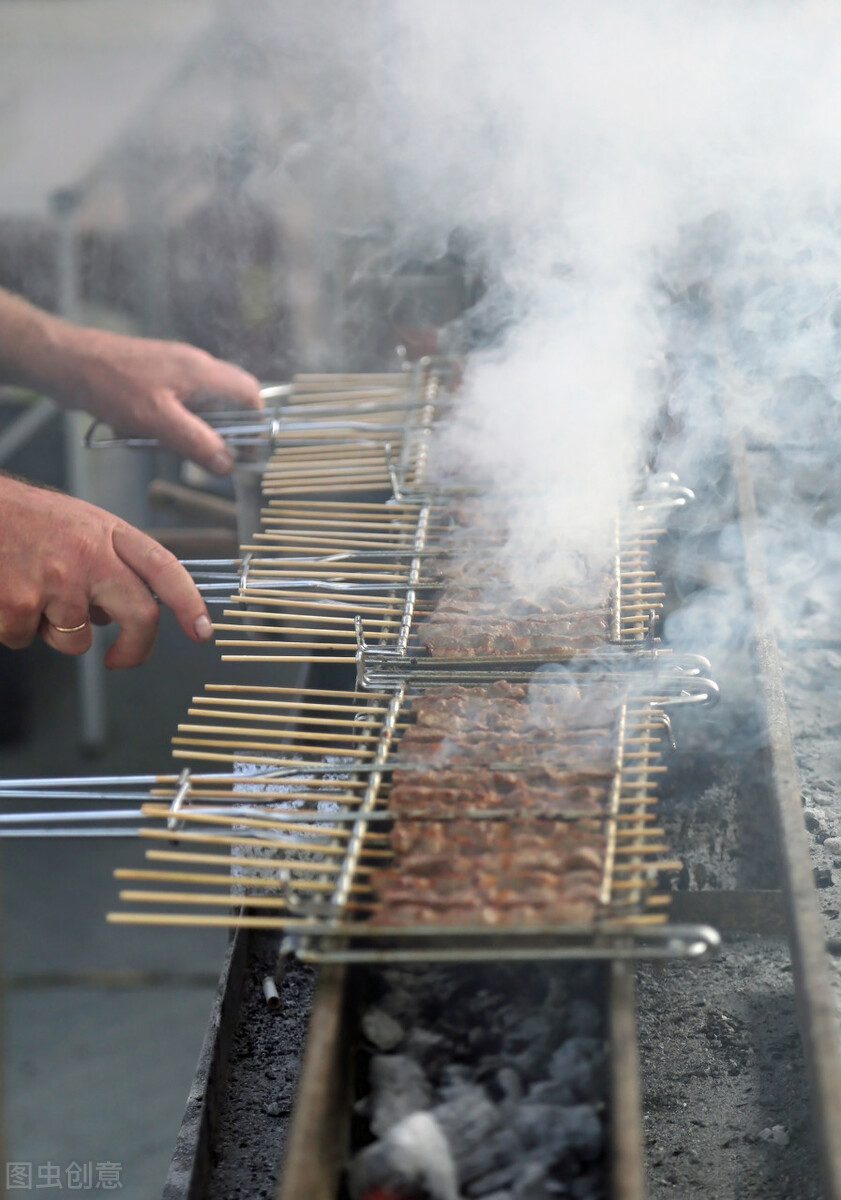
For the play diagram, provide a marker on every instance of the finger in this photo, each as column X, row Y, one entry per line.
column 66, row 627
column 164, row 574
column 19, row 620
column 130, row 604
column 189, row 435
column 220, row 378
column 99, row 616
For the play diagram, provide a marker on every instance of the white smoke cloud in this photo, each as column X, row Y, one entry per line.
column 589, row 143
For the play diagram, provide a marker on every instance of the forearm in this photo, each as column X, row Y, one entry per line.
column 137, row 384
column 37, row 349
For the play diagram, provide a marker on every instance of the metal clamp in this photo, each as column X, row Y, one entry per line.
column 664, row 491
column 181, row 793
column 244, row 569
column 224, row 422
column 693, row 690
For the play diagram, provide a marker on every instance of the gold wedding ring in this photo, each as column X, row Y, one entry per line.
column 74, row 629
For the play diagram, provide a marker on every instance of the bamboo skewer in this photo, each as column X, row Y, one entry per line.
column 285, row 747
column 293, row 705
column 349, row 639
column 346, row 660
column 334, row 833
column 386, row 624
column 138, row 896
column 307, row 734
column 263, row 864
column 229, row 880
column 287, row 719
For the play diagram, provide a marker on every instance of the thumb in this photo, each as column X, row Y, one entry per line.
column 189, row 435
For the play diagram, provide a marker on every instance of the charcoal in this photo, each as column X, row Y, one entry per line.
column 505, row 1072
column 412, row 1159
column 550, row 1091
column 534, row 1029
column 455, row 1077
column 491, row 1183
column 575, row 1065
column 399, row 1088
column 586, row 1188
column 531, row 1063
column 584, row 1018
column 510, row 1085
column 554, row 1132
column 424, row 1045
column 467, row 1117
column 532, row 1183
column 382, row 1030
column 501, row 1149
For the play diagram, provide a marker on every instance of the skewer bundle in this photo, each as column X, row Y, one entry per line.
column 304, row 819
column 288, row 804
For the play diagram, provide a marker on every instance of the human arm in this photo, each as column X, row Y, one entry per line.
column 135, row 384
column 64, row 562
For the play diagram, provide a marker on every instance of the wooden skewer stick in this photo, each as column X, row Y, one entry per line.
column 363, row 719
column 228, row 880
column 397, row 565
column 313, row 735
column 349, row 525
column 226, row 798
column 270, row 799
column 137, row 896
column 320, row 564
column 286, row 747
column 359, row 472
column 339, row 487
column 333, row 833
column 324, row 532
column 359, row 506
column 335, row 605
column 386, row 603
column 293, row 705
column 385, row 623
column 279, row 690
column 263, row 760
column 291, row 644
column 206, row 920
column 309, row 542
column 266, row 864
column 299, row 658
column 241, row 839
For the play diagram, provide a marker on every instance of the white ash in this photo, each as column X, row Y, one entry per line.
column 398, row 1089
column 778, row 1134
column 413, row 1158
column 509, row 1065
column 382, row 1030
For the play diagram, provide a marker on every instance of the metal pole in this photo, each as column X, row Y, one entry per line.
column 90, row 672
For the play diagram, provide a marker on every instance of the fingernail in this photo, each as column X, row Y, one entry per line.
column 222, row 463
column 203, row 628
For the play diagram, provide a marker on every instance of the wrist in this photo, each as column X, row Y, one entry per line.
column 66, row 351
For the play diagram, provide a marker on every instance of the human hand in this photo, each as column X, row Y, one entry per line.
column 67, row 563
column 142, row 386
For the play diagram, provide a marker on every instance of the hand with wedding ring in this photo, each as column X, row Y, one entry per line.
column 67, row 564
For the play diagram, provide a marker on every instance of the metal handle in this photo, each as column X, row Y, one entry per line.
column 232, row 421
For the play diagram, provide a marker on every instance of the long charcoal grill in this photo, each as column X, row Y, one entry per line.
column 210, row 821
